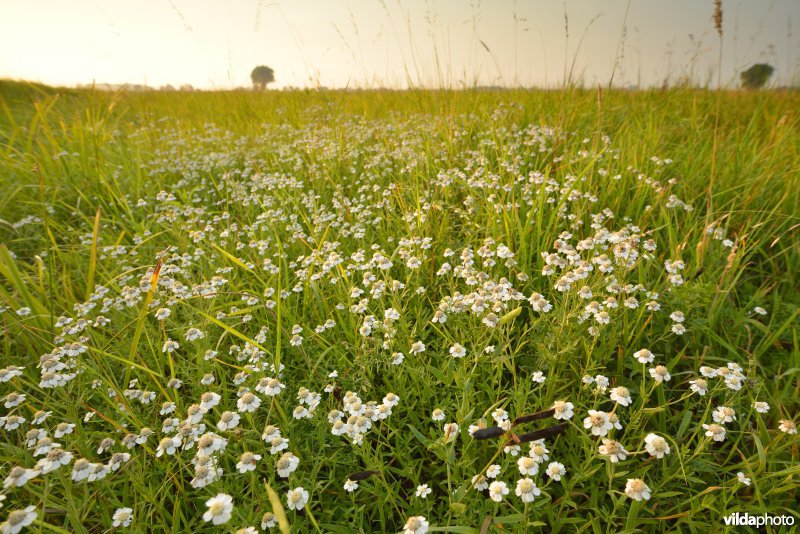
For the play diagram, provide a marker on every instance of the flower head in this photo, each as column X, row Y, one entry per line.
column 621, row 395
column 644, row 356
column 458, row 351
column 598, row 422
column 480, row 482
column 248, row 403
column 268, row 520
column 527, row 466
column 416, row 525
column 417, row 347
column 538, row 451
column 247, row 462
column 18, row 519
column 450, row 431
column 122, row 517
column 538, row 377
column 208, row 400
column 497, row 490
column 709, row 372
column 556, row 470
column 788, row 426
column 656, row 445
column 660, row 373
column 715, row 431
column 636, row 489
column 699, row 386
column 526, row 490
column 563, row 410
column 286, row 464
column 724, row 414
column 297, row 498
column 219, row 509
column 613, row 449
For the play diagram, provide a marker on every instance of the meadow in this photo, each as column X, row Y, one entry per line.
column 378, row 311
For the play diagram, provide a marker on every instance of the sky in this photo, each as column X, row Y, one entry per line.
column 214, row 44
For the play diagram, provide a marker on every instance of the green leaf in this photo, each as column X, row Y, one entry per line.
column 277, row 509
column 425, row 441
column 437, row 374
column 687, row 418
column 762, row 455
column 458, row 508
column 231, row 257
column 510, row 316
column 508, row 519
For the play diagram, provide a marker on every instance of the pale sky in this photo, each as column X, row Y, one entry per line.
column 392, row 43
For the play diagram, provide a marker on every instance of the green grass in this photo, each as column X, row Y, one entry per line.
column 278, row 192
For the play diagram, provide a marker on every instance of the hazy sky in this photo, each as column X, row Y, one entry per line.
column 396, row 43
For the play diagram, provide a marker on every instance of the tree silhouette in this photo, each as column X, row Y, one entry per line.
column 261, row 76
column 756, row 76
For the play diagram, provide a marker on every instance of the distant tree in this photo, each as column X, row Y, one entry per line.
column 261, row 76
column 756, row 76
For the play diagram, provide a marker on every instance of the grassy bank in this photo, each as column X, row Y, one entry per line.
column 168, row 259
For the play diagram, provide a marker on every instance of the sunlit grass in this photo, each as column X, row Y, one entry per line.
column 309, row 232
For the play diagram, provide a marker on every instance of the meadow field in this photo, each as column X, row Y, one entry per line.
column 398, row 311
